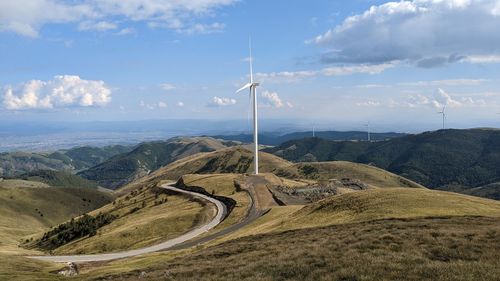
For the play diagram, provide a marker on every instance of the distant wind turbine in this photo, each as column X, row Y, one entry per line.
column 368, row 131
column 443, row 112
column 253, row 95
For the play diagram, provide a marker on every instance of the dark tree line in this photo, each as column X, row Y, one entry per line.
column 85, row 225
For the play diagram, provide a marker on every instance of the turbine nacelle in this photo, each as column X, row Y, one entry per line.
column 248, row 86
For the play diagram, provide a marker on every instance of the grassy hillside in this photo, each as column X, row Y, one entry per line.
column 28, row 207
column 146, row 158
column 456, row 158
column 370, row 175
column 276, row 139
column 13, row 164
column 139, row 217
column 378, row 204
column 380, row 234
column 430, row 249
column 58, row 179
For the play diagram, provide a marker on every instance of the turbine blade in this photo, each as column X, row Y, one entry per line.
column 251, row 59
column 244, row 87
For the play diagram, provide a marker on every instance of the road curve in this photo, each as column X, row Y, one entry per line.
column 221, row 213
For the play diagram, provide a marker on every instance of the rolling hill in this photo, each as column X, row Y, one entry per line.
column 13, row 164
column 58, row 179
column 276, row 139
column 377, row 234
column 28, row 207
column 146, row 158
column 445, row 159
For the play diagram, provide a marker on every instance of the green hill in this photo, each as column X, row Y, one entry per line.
column 146, row 158
column 86, row 156
column 13, row 164
column 58, row 179
column 445, row 159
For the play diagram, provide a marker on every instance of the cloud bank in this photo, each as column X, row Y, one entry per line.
column 427, row 33
column 62, row 91
column 28, row 17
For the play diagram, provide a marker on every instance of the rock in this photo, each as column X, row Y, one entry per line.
column 71, row 270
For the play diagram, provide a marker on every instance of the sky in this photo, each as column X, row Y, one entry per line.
column 338, row 64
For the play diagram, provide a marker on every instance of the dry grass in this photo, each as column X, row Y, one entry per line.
column 27, row 208
column 23, row 269
column 148, row 226
column 375, row 204
column 143, row 221
column 223, row 185
column 340, row 169
column 453, row 248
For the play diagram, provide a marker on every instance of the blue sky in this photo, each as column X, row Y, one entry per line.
column 325, row 62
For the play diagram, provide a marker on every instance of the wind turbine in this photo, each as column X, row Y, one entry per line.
column 368, row 131
column 443, row 112
column 253, row 95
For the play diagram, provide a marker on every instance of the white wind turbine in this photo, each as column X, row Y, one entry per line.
column 253, row 94
column 368, row 131
column 443, row 112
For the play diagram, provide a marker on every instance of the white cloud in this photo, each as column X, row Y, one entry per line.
column 439, row 99
column 221, row 101
column 143, row 104
column 62, row 91
column 125, row 31
column 296, row 76
column 167, row 86
column 450, row 82
column 97, row 26
column 427, row 33
column 162, row 104
column 180, row 104
column 482, row 59
column 271, row 99
column 369, row 103
column 203, row 28
column 27, row 17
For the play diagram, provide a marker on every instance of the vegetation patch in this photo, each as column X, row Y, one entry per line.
column 83, row 226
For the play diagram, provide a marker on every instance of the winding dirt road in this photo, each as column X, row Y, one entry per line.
column 221, row 213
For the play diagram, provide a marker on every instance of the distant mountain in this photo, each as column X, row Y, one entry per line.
column 276, row 139
column 13, row 164
column 461, row 160
column 148, row 157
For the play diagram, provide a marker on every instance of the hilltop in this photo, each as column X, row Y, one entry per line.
column 457, row 160
column 148, row 157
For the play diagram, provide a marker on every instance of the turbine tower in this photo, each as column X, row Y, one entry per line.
column 368, row 131
column 253, row 95
column 443, row 112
